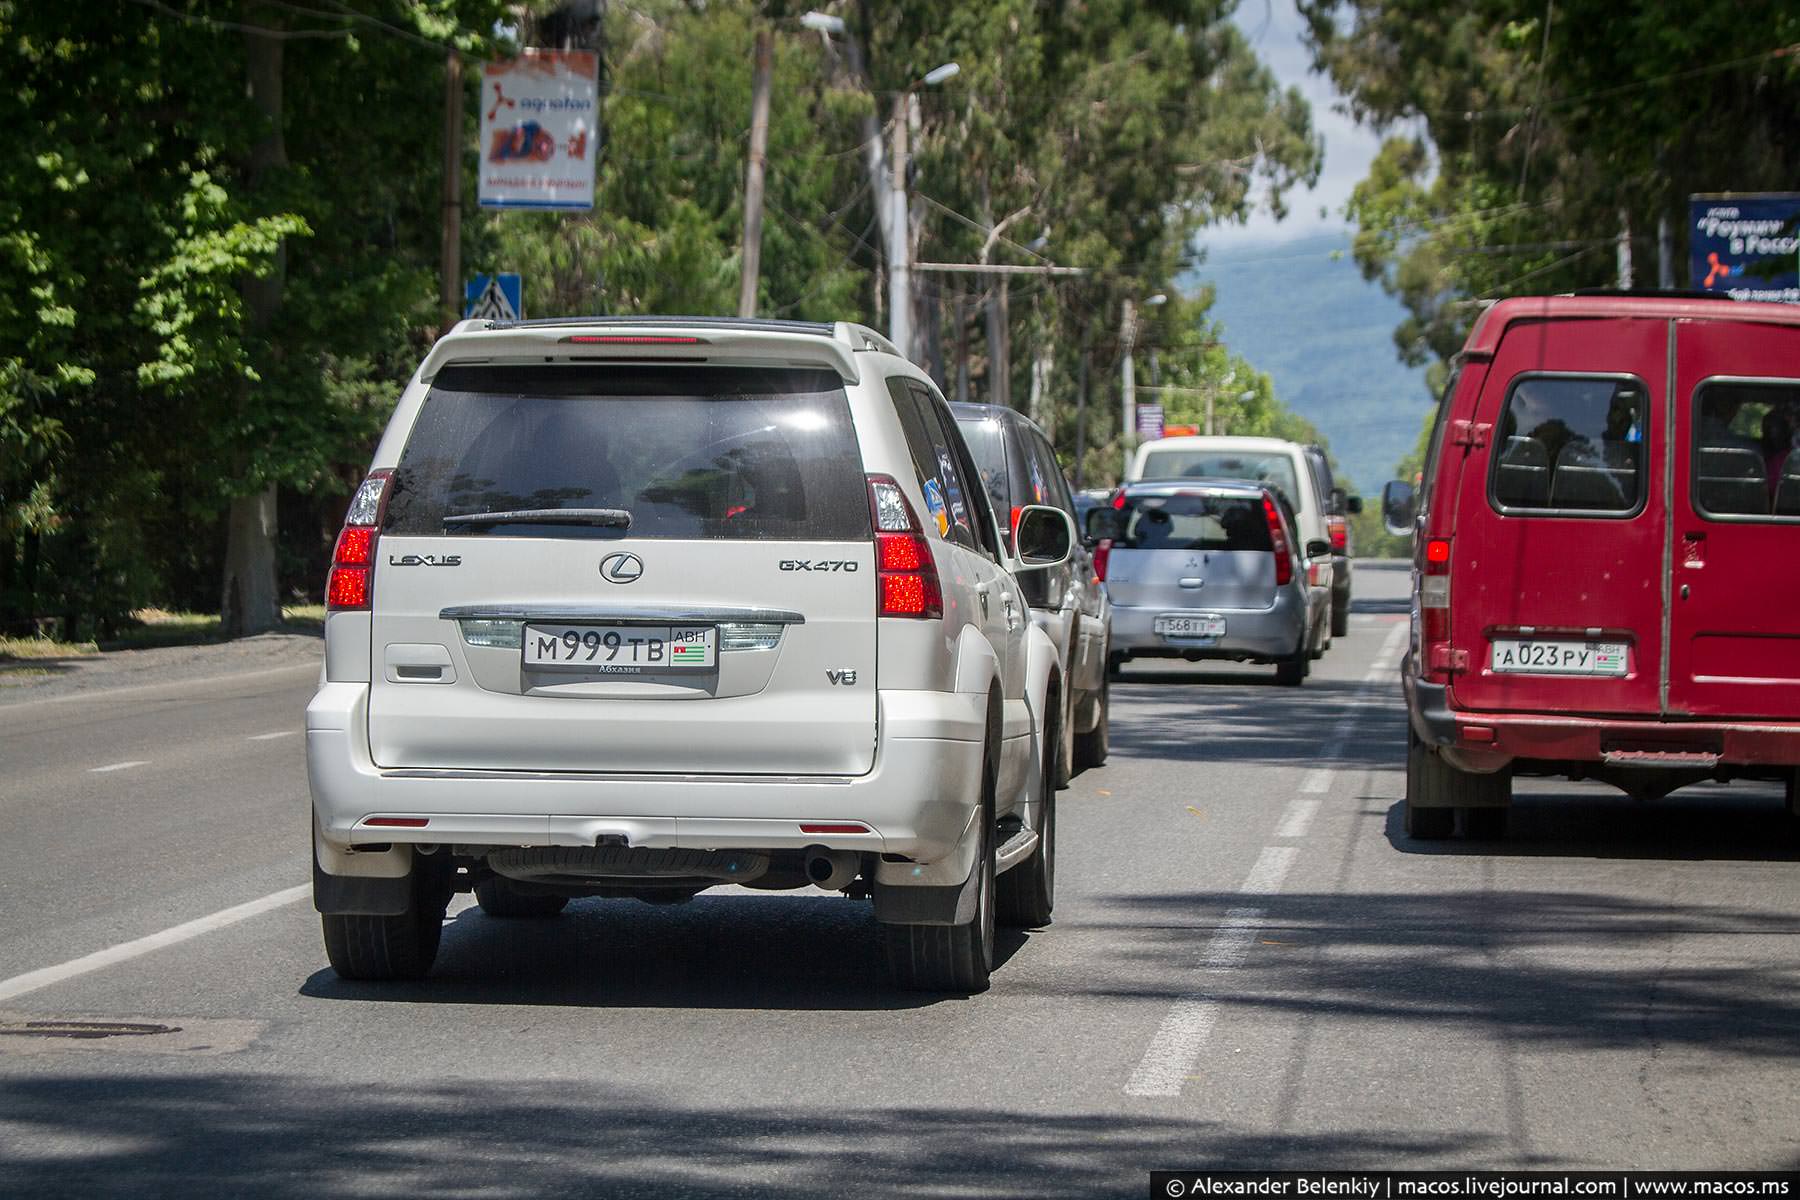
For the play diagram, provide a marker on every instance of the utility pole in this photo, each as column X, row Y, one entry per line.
column 899, row 274
column 1081, row 403
column 450, row 286
column 1665, row 253
column 1127, row 384
column 1624, row 244
column 753, row 174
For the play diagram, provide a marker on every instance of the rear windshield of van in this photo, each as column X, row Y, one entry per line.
column 681, row 452
column 1194, row 521
column 1747, row 450
column 1571, row 444
column 1274, row 469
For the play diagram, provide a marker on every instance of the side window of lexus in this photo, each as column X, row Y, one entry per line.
column 968, row 500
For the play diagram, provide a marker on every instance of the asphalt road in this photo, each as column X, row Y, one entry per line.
column 1250, row 966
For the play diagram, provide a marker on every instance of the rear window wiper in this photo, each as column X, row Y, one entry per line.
column 605, row 518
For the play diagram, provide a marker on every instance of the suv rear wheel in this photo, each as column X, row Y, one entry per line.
column 1340, row 618
column 953, row 958
column 398, row 947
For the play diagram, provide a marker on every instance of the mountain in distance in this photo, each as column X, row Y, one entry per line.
column 1325, row 335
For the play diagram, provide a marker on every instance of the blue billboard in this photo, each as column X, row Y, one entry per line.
column 1745, row 245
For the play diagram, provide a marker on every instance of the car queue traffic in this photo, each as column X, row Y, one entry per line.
column 641, row 607
column 637, row 608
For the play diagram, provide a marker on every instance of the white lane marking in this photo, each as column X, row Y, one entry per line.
column 1300, row 813
column 269, row 737
column 119, row 766
column 44, row 977
column 1182, row 1035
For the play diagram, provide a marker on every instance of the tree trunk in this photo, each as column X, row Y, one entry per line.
column 248, row 600
column 962, row 349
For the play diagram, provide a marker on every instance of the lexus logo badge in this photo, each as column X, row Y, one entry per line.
column 621, row 568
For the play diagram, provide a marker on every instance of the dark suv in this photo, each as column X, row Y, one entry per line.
column 1068, row 603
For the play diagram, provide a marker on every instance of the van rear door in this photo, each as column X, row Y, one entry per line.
column 1556, row 561
column 616, row 567
column 1734, row 621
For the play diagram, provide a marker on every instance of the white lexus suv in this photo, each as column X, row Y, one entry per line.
column 639, row 607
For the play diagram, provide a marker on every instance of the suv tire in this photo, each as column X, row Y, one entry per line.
column 1027, row 893
column 500, row 898
column 1443, row 789
column 953, row 958
column 398, row 947
column 1091, row 747
column 1340, row 619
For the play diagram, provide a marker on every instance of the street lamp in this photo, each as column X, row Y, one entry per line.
column 899, row 249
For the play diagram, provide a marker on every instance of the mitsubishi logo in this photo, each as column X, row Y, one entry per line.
column 621, row 568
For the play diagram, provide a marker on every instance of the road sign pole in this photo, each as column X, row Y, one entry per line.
column 451, row 282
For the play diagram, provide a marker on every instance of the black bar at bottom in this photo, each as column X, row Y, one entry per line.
column 1475, row 1185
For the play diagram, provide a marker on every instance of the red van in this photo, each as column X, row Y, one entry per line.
column 1606, row 554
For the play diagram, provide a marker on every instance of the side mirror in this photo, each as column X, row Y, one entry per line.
column 1045, row 537
column 1103, row 523
column 1318, row 548
column 1353, row 506
column 1399, row 507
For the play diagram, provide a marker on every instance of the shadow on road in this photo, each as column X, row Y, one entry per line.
column 280, row 1137
column 734, row 952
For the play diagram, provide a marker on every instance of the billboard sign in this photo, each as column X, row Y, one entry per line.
column 1149, row 421
column 1746, row 245
column 540, row 125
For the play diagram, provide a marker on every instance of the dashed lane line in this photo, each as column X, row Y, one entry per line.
column 44, row 977
column 1176, row 1047
column 119, row 766
column 269, row 737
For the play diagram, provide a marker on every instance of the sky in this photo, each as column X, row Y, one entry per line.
column 1274, row 29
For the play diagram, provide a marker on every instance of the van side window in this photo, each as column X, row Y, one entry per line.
column 1434, row 443
column 1745, row 459
column 1571, row 445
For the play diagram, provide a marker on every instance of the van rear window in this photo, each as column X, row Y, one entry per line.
column 687, row 452
column 1571, row 445
column 1195, row 521
column 1747, row 450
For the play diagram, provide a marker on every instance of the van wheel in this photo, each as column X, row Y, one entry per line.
column 952, row 958
column 1028, row 891
column 1340, row 619
column 390, row 948
column 500, row 898
column 1435, row 790
column 1091, row 747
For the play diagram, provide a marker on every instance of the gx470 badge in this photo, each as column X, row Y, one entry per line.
column 822, row 564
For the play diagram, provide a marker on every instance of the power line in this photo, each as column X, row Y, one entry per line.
column 279, row 35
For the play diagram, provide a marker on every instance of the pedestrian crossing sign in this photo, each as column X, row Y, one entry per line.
column 494, row 298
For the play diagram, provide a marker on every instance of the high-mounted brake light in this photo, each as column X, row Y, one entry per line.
column 348, row 585
column 906, row 574
column 1284, row 555
column 629, row 339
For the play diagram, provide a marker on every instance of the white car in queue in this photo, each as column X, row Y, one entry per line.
column 637, row 607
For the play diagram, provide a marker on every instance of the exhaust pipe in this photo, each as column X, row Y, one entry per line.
column 832, row 870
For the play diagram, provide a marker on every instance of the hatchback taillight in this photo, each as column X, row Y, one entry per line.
column 350, row 583
column 906, row 574
column 1284, row 555
column 1102, row 552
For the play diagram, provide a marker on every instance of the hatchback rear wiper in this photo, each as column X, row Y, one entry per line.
column 606, row 518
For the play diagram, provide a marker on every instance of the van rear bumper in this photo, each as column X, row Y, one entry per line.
column 918, row 800
column 1489, row 741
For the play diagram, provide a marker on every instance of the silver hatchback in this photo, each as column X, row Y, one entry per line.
column 1208, row 569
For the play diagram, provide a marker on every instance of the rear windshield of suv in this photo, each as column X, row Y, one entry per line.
column 1271, row 468
column 1195, row 521
column 688, row 452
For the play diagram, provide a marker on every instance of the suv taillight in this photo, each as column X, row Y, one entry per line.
column 905, row 573
column 1338, row 530
column 348, row 586
column 1284, row 555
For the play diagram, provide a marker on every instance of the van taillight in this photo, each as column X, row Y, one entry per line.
column 1284, row 556
column 1434, row 596
column 348, row 586
column 906, row 575
column 1338, row 530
